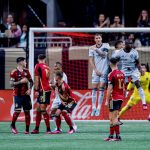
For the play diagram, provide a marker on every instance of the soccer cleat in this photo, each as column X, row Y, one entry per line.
column 109, row 138
column 75, row 127
column 35, row 132
column 26, row 132
column 97, row 113
column 71, row 131
column 56, row 132
column 118, row 138
column 93, row 112
column 144, row 106
column 13, row 130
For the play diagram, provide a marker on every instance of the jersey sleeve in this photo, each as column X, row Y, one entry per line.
column 91, row 53
column 28, row 75
column 12, row 75
column 110, row 78
column 136, row 55
column 36, row 72
column 65, row 78
column 106, row 47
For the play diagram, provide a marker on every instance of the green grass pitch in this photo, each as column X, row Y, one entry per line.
column 90, row 135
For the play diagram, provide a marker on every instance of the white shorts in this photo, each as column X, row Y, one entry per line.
column 56, row 103
column 98, row 79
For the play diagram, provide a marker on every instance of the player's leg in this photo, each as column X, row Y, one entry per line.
column 17, row 110
column 136, row 81
column 101, row 95
column 95, row 86
column 27, row 106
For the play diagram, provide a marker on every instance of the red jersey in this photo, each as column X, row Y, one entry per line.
column 117, row 79
column 65, row 92
column 43, row 72
column 16, row 76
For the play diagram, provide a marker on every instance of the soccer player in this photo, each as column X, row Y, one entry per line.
column 98, row 57
column 57, row 102
column 19, row 79
column 114, row 98
column 67, row 104
column 135, row 97
column 43, row 92
column 129, row 60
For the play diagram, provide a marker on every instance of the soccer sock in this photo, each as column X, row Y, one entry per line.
column 58, row 122
column 38, row 119
column 67, row 119
column 142, row 95
column 14, row 118
column 46, row 119
column 111, row 130
column 100, row 98
column 123, row 110
column 27, row 120
column 94, row 97
column 117, row 129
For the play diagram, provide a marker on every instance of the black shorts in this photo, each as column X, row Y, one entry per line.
column 23, row 101
column 44, row 97
column 69, row 108
column 115, row 105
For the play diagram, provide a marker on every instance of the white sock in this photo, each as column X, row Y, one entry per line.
column 142, row 95
column 100, row 98
column 94, row 97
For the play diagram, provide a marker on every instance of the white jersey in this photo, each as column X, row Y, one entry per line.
column 57, row 98
column 128, row 61
column 101, row 62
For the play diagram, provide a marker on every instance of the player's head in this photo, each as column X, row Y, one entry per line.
column 21, row 61
column 144, row 68
column 101, row 18
column 116, row 19
column 41, row 58
column 119, row 44
column 113, row 62
column 98, row 38
column 58, row 76
column 57, row 66
column 128, row 46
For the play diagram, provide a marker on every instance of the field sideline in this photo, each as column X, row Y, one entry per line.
column 135, row 135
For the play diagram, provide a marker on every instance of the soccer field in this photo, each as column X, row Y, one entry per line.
column 90, row 135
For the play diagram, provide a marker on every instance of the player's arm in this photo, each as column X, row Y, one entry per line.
column 108, row 95
column 104, row 51
column 137, row 62
column 37, row 72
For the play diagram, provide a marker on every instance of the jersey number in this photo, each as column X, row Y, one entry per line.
column 121, row 84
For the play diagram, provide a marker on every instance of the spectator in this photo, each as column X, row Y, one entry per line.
column 15, row 31
column 24, row 37
column 144, row 21
column 103, row 21
column 116, row 23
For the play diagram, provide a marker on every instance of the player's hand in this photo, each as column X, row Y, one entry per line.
column 64, row 103
column 2, row 100
column 24, row 80
column 36, row 94
column 98, row 73
column 28, row 92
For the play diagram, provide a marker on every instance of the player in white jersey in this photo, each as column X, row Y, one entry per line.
column 57, row 101
column 129, row 59
column 98, row 56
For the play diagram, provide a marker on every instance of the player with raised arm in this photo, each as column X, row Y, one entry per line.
column 43, row 92
column 114, row 98
column 19, row 79
column 68, row 103
column 135, row 97
column 98, row 57
column 57, row 102
column 129, row 59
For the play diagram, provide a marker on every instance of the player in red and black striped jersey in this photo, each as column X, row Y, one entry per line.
column 19, row 79
column 114, row 98
column 43, row 91
column 68, row 102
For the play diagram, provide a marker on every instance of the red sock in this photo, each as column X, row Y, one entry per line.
column 111, row 130
column 67, row 119
column 58, row 122
column 27, row 120
column 117, row 129
column 38, row 119
column 46, row 119
column 14, row 118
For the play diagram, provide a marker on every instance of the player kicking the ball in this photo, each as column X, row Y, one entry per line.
column 129, row 59
column 114, row 98
column 98, row 54
column 135, row 97
column 67, row 104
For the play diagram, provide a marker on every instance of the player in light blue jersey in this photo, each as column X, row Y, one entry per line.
column 129, row 59
column 98, row 56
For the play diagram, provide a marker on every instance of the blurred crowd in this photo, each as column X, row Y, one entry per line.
column 10, row 29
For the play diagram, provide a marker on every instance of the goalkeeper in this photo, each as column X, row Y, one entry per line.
column 135, row 97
